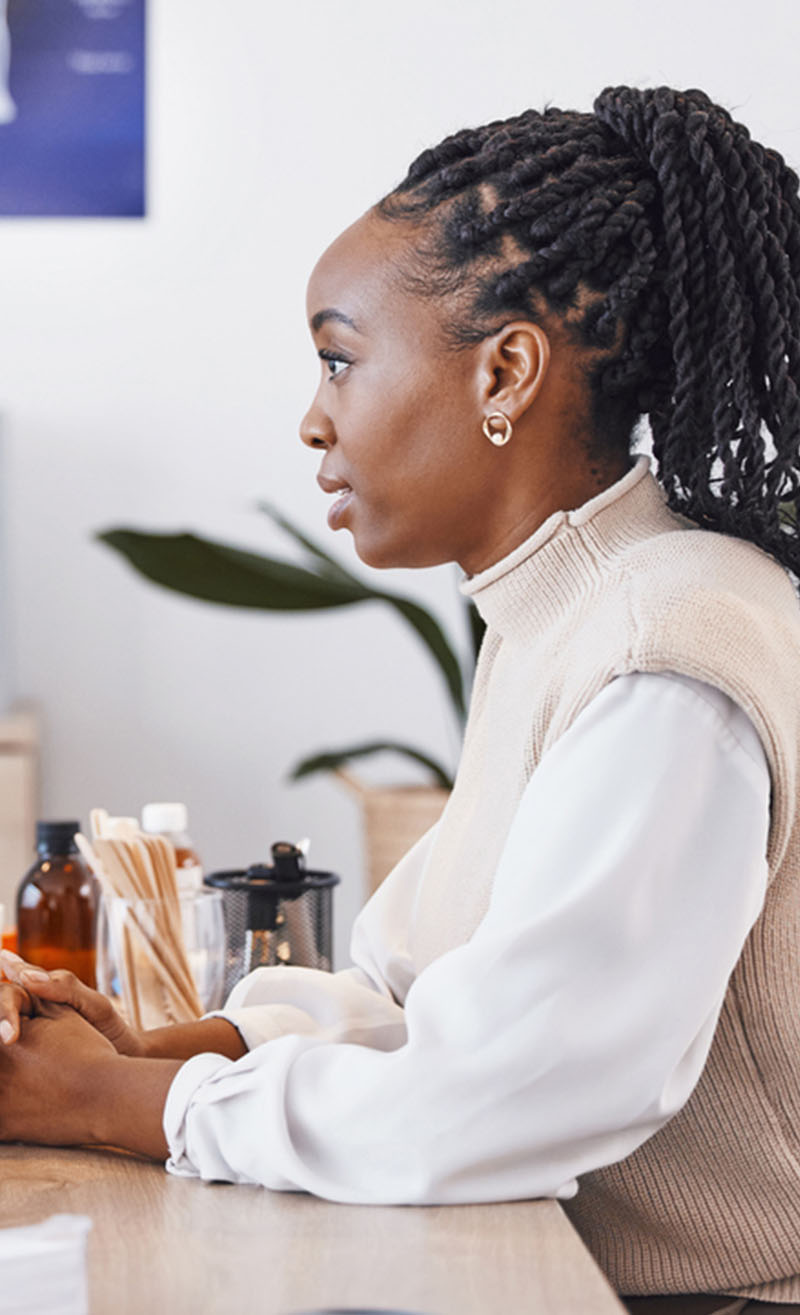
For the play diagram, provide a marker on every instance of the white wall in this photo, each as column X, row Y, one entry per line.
column 153, row 373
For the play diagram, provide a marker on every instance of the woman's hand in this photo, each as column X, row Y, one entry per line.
column 49, row 1078
column 15, row 1003
column 29, row 988
column 63, row 1084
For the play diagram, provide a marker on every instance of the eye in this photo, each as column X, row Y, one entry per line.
column 336, row 364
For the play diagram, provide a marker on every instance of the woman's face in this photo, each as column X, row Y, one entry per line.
column 397, row 414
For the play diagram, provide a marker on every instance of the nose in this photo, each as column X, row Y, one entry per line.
column 316, row 429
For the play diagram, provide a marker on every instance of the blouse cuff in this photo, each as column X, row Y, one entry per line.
column 189, row 1077
column 259, row 1023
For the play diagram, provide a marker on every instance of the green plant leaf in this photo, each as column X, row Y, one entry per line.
column 427, row 628
column 432, row 636
column 328, row 762
column 477, row 628
column 218, row 573
column 329, row 563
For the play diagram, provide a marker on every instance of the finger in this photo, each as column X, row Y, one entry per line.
column 62, row 987
column 13, row 1002
column 10, row 964
column 59, row 985
column 15, row 968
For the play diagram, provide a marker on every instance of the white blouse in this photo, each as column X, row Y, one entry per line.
column 570, row 1027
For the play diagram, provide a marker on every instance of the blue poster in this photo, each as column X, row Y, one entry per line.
column 72, row 107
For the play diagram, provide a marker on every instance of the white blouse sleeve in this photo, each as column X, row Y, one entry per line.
column 360, row 1004
column 573, row 1024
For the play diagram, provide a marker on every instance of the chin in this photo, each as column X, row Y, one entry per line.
column 381, row 558
column 387, row 556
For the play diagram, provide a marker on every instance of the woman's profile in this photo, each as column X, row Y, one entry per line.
column 583, row 982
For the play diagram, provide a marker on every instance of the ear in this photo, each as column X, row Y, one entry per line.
column 513, row 367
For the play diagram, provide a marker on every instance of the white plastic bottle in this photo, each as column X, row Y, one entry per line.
column 172, row 822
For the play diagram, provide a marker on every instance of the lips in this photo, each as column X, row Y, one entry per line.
column 339, row 508
column 329, row 485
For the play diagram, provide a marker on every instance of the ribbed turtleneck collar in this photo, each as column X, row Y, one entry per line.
column 526, row 589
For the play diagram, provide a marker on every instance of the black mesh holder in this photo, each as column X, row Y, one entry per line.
column 279, row 914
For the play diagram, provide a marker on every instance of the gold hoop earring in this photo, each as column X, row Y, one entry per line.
column 497, row 428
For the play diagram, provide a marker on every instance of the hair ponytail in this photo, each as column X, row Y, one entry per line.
column 669, row 242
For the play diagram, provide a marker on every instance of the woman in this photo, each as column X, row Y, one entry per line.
column 583, row 982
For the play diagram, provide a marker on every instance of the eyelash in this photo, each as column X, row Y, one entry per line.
column 334, row 358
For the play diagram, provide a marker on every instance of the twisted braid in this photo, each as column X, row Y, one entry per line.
column 669, row 243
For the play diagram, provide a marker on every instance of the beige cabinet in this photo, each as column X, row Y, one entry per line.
column 19, row 751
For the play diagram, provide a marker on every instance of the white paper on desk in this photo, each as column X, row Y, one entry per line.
column 43, row 1267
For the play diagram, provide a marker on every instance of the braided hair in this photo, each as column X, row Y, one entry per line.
column 668, row 243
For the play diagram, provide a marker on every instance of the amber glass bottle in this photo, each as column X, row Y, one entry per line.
column 57, row 905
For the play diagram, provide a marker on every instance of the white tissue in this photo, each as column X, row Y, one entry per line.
column 43, row 1267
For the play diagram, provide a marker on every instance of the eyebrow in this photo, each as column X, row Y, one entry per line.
column 322, row 317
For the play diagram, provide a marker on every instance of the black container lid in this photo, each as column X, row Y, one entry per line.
column 57, row 837
column 266, row 887
column 287, row 878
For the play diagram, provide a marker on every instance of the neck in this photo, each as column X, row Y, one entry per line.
column 560, row 486
column 565, row 551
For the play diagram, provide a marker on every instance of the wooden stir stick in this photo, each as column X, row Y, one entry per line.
column 157, row 979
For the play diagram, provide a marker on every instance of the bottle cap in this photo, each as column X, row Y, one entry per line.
column 57, row 837
column 157, row 818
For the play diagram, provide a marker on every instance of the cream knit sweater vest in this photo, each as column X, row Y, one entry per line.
column 712, row 1202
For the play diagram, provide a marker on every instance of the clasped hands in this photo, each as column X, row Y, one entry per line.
column 29, row 992
column 72, row 1072
column 59, row 1040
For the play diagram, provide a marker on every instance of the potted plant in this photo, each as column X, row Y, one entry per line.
column 219, row 573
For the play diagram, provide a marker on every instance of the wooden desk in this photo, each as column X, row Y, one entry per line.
column 164, row 1244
